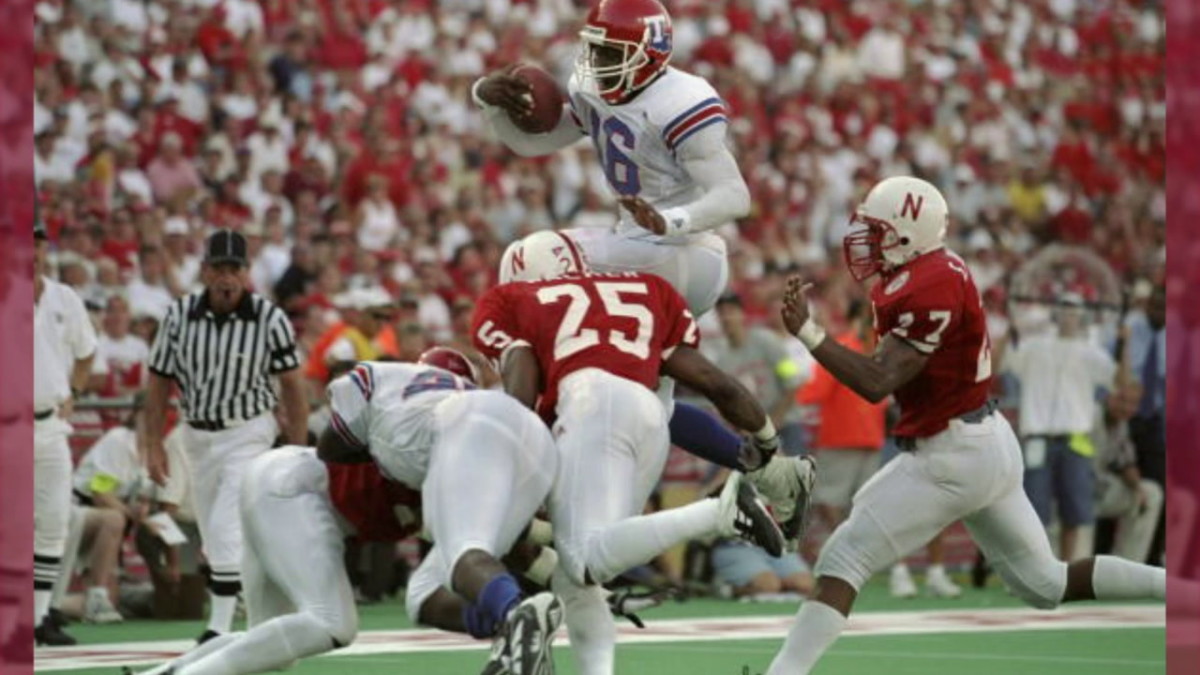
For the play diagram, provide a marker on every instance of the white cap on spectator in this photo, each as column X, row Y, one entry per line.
column 176, row 225
column 363, row 298
column 980, row 240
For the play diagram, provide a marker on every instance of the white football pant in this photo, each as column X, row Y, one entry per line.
column 699, row 269
column 969, row 472
column 490, row 470
column 299, row 601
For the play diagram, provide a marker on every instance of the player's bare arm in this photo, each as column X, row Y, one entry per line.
column 521, row 376
column 294, row 397
column 691, row 368
column 708, row 161
column 158, row 389
column 333, row 448
column 873, row 377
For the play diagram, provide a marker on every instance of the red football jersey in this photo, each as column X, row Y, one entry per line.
column 379, row 509
column 625, row 324
column 932, row 304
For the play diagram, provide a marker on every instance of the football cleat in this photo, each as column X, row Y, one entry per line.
column 939, row 585
column 900, row 583
column 99, row 609
column 787, row 485
column 743, row 514
column 523, row 646
column 50, row 634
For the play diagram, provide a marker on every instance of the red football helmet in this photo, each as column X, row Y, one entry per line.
column 626, row 44
column 450, row 360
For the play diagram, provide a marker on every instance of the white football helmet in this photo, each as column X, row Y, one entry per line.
column 901, row 218
column 542, row 255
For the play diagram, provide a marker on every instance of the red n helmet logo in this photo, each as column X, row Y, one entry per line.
column 518, row 259
column 913, row 204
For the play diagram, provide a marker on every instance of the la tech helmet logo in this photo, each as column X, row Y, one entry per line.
column 659, row 40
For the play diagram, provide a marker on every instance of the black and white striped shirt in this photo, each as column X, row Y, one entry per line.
column 224, row 364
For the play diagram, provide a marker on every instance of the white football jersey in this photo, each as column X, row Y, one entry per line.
column 636, row 141
column 388, row 408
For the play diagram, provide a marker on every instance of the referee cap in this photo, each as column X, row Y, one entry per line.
column 226, row 246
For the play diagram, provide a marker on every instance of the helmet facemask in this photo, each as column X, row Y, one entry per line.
column 871, row 247
column 618, row 67
column 610, row 66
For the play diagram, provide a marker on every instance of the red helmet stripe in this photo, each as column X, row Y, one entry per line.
column 575, row 256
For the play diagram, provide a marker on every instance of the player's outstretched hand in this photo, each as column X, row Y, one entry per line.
column 644, row 214
column 504, row 90
column 795, row 304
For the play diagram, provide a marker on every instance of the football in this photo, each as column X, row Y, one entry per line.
column 548, row 100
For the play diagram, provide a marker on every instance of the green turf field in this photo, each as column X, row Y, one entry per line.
column 985, row 633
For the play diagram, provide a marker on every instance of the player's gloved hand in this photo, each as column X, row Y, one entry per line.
column 503, row 90
column 644, row 214
column 755, row 453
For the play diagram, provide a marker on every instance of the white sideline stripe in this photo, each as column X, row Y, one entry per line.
column 667, row 630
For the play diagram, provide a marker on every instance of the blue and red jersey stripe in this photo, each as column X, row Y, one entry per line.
column 705, row 113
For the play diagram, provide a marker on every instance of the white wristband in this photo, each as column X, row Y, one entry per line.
column 475, row 95
column 679, row 221
column 767, row 432
column 543, row 567
column 540, row 533
column 811, row 334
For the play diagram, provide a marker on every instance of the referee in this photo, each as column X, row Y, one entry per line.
column 221, row 346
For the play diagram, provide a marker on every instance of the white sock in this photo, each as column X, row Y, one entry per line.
column 638, row 540
column 271, row 645
column 817, row 626
column 195, row 654
column 1115, row 578
column 589, row 624
column 220, row 618
column 41, row 605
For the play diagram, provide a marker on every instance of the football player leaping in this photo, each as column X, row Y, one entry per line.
column 960, row 459
column 660, row 134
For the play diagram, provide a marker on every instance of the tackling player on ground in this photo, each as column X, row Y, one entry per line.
column 660, row 134
column 960, row 459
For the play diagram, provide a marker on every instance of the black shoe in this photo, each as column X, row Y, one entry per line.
column 59, row 619
column 744, row 515
column 207, row 635
column 980, row 571
column 50, row 634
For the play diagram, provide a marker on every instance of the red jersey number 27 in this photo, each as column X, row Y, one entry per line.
column 572, row 338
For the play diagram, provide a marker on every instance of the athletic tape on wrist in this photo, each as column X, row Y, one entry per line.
column 811, row 334
column 542, row 568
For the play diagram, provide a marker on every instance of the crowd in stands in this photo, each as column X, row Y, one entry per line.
column 340, row 138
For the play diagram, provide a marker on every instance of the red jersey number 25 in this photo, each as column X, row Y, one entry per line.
column 572, row 338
